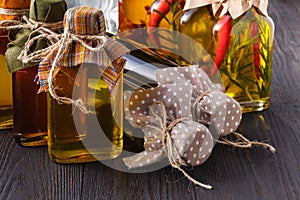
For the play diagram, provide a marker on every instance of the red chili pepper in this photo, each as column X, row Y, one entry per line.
column 223, row 27
column 256, row 49
column 158, row 9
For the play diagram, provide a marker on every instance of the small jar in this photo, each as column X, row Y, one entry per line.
column 240, row 46
column 95, row 133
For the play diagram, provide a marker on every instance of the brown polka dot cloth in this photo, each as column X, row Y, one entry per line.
column 200, row 109
column 221, row 113
column 192, row 140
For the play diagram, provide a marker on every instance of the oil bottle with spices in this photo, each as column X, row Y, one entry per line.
column 30, row 108
column 83, row 75
column 9, row 10
column 238, row 36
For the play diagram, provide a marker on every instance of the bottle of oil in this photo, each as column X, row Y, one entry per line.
column 30, row 108
column 75, row 136
column 10, row 10
column 240, row 45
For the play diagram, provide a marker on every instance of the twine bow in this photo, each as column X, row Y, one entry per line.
column 78, row 44
column 57, row 50
column 170, row 132
column 235, row 7
column 211, row 107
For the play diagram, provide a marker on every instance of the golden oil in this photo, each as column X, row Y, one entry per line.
column 75, row 137
column 243, row 79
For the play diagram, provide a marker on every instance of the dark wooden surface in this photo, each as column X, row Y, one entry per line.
column 27, row 173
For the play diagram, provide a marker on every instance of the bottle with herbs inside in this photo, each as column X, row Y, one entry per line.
column 239, row 39
column 30, row 108
column 10, row 10
column 83, row 74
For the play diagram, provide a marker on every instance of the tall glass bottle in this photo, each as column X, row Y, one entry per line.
column 241, row 48
column 73, row 135
column 11, row 10
column 30, row 108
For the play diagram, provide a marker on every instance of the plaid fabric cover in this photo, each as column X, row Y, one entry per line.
column 86, row 21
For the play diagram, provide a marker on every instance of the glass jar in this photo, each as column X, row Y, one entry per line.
column 241, row 50
column 74, row 136
column 30, row 109
column 6, row 110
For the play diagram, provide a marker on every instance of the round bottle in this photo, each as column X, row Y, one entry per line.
column 241, row 51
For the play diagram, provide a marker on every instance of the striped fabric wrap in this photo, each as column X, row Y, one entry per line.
column 84, row 21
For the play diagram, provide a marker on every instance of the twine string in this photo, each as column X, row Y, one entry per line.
column 13, row 12
column 197, row 100
column 244, row 143
column 61, row 45
column 169, row 148
column 29, row 24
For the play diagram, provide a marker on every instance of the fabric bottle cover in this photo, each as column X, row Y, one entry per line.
column 46, row 11
column 235, row 8
column 216, row 114
column 83, row 22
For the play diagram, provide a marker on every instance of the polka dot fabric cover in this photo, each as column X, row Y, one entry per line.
column 221, row 113
column 192, row 140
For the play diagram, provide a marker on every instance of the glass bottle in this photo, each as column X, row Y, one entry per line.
column 73, row 137
column 30, row 109
column 241, row 49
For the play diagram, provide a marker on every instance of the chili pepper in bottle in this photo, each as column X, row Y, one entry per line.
column 256, row 49
column 223, row 29
column 239, row 38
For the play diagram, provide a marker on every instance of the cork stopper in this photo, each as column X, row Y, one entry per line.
column 85, row 21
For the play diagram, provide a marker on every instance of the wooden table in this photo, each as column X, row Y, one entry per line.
column 27, row 173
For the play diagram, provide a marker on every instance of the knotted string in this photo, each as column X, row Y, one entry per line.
column 65, row 40
column 29, row 24
column 245, row 144
column 169, row 148
column 13, row 12
column 198, row 100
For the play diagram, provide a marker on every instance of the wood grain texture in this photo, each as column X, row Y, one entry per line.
column 27, row 173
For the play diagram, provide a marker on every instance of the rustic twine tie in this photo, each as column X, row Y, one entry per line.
column 62, row 43
column 245, row 143
column 29, row 23
column 14, row 12
column 169, row 148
